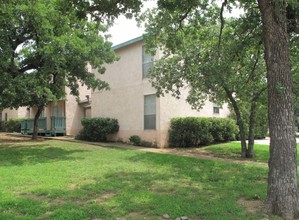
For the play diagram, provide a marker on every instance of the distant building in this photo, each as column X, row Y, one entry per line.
column 62, row 117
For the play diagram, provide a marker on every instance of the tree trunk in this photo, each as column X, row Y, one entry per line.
column 239, row 122
column 249, row 152
column 35, row 123
column 282, row 180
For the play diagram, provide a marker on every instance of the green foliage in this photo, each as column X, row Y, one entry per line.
column 45, row 47
column 97, row 129
column 192, row 131
column 12, row 125
column 135, row 140
column 261, row 120
column 223, row 69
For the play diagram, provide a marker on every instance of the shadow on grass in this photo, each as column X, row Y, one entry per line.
column 174, row 185
column 17, row 155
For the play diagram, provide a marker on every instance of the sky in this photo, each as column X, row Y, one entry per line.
column 126, row 29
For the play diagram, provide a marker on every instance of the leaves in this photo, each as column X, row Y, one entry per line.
column 46, row 46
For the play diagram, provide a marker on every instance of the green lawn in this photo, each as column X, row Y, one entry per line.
column 232, row 150
column 62, row 180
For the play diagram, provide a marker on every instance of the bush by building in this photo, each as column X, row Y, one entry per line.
column 12, row 125
column 97, row 129
column 195, row 131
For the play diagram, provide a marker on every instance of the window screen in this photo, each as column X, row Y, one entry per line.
column 149, row 112
column 216, row 109
column 147, row 62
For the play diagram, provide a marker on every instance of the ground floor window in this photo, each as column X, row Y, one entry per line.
column 149, row 112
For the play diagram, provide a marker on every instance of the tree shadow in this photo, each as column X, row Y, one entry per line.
column 18, row 155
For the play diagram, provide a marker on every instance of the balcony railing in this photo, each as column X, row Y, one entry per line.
column 57, row 126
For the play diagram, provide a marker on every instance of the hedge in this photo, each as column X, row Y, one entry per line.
column 194, row 131
column 12, row 125
column 97, row 129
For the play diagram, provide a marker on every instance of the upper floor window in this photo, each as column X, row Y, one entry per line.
column 149, row 112
column 216, row 109
column 147, row 62
column 57, row 111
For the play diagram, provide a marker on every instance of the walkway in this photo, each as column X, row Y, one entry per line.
column 199, row 153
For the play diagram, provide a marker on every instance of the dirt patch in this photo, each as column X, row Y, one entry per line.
column 251, row 206
column 72, row 186
column 104, row 197
column 10, row 138
column 33, row 196
column 162, row 189
column 57, row 201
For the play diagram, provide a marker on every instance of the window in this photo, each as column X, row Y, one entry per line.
column 149, row 112
column 57, row 111
column 5, row 117
column 147, row 62
column 216, row 109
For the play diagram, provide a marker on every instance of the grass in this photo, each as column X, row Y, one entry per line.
column 232, row 150
column 63, row 180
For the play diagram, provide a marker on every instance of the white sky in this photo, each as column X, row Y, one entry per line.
column 126, row 29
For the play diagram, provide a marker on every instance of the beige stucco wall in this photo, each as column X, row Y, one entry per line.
column 74, row 112
column 21, row 112
column 125, row 99
column 11, row 113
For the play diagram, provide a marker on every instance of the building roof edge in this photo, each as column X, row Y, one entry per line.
column 127, row 43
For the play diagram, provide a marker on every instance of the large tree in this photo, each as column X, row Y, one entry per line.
column 46, row 45
column 279, row 19
column 282, row 182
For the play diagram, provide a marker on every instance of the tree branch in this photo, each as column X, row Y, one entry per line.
column 222, row 23
column 254, row 66
column 257, row 95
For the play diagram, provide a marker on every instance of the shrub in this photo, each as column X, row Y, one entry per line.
column 135, row 140
column 193, row 131
column 97, row 129
column 12, row 125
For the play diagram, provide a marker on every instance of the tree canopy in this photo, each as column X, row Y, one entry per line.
column 231, row 71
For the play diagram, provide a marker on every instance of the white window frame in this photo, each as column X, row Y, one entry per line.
column 216, row 112
column 150, row 115
column 151, row 63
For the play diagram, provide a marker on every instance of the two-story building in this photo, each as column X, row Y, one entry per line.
column 132, row 99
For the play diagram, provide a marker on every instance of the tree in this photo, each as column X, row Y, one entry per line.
column 231, row 72
column 46, row 46
column 279, row 18
column 282, row 182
